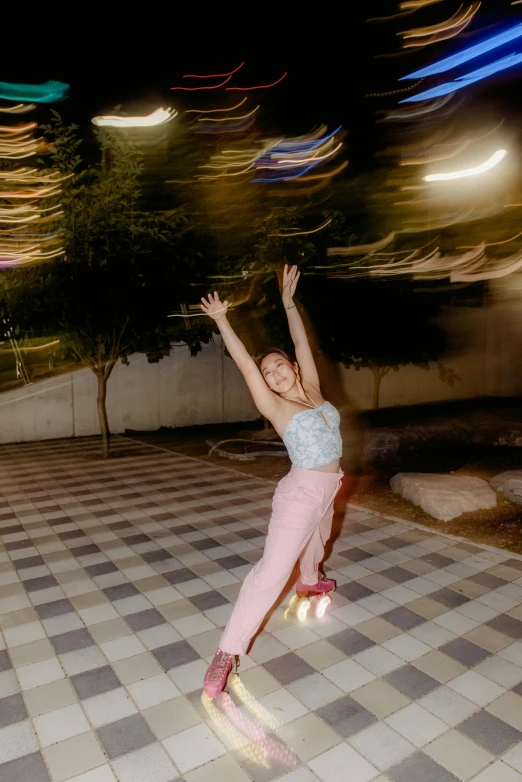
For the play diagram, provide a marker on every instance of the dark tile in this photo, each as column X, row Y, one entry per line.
column 488, row 580
column 465, row 652
column 437, row 560
column 489, row 732
column 350, row 641
column 205, row 544
column 179, row 576
column 71, row 641
column 518, row 689
column 45, row 582
column 156, row 556
column 395, row 543
column 398, row 574
column 354, row 591
column 288, row 668
column 175, row 654
column 449, row 598
column 18, row 545
column 411, row 682
column 208, row 600
column 95, row 682
column 403, row 618
column 469, row 548
column 145, row 619
column 420, row 768
column 234, row 560
column 124, row 736
column 71, row 534
column 12, row 530
column 355, row 554
column 117, row 525
column 181, row 530
column 29, row 768
column 23, row 564
column 346, row 716
column 135, row 540
column 507, row 625
column 83, row 551
column 514, row 563
column 12, row 709
column 102, row 569
column 5, row 662
column 120, row 591
column 248, row 534
column 57, row 608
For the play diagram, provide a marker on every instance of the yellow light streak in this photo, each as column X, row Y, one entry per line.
column 499, row 155
column 329, row 174
column 451, row 27
column 157, row 117
column 362, row 249
column 214, row 111
column 31, row 347
column 20, row 108
column 306, row 233
column 228, row 119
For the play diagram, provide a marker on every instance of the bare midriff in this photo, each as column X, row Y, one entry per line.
column 330, row 467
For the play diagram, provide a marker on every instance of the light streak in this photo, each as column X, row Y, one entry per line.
column 324, row 176
column 259, row 87
column 214, row 111
column 466, row 80
column 415, row 4
column 362, row 249
column 306, row 233
column 214, row 75
column 32, row 347
column 20, row 108
column 157, row 117
column 468, row 54
column 512, row 264
column 35, row 393
column 227, row 119
column 437, row 32
column 499, row 155
column 48, row 92
column 8, row 130
column 492, row 244
column 198, row 89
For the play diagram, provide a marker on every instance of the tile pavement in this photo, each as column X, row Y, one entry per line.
column 116, row 579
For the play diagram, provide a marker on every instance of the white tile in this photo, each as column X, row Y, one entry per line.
column 154, row 690
column 302, row 774
column 109, row 707
column 193, row 747
column 283, row 705
column 8, row 684
column 218, row 580
column 150, row 764
column 314, row 691
column 512, row 653
column 159, row 597
column 476, row 688
column 352, row 614
column 82, row 660
column 432, row 634
column 417, row 724
column 348, row 675
column 422, row 586
column 220, row 615
column 132, row 605
column 161, row 635
column 342, row 763
column 193, row 625
column 406, row 647
column 17, row 740
column 448, row 705
column 456, row 622
column 296, row 636
column 400, row 594
column 121, row 648
column 100, row 774
column 97, row 614
column 24, row 634
column 442, row 577
column 477, row 611
column 266, row 647
column 61, row 724
column 497, row 601
column 195, row 586
column 40, row 673
column 189, row 677
column 500, row 671
column 62, row 624
column 378, row 660
column 514, row 757
column 382, row 746
column 498, row 772
column 377, row 604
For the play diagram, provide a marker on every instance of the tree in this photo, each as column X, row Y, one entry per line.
column 125, row 270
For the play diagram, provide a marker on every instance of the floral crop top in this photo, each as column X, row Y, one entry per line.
column 310, row 440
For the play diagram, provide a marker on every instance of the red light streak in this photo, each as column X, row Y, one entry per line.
column 193, row 89
column 214, row 75
column 260, row 87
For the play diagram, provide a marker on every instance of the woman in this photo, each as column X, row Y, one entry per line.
column 289, row 395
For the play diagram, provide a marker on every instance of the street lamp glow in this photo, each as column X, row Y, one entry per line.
column 157, row 117
column 499, row 155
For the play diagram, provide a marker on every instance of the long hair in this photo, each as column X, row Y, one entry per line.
column 265, row 353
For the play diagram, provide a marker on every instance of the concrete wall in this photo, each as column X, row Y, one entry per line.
column 178, row 391
column 184, row 391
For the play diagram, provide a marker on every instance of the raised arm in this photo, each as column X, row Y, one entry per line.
column 264, row 399
column 303, row 352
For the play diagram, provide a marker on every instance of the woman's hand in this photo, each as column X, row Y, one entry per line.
column 290, row 278
column 214, row 307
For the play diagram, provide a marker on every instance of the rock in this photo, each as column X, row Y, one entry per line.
column 444, row 496
column 429, row 448
column 489, row 429
column 510, row 484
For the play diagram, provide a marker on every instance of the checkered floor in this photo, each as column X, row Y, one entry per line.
column 115, row 579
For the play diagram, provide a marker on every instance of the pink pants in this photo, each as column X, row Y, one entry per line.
column 301, row 523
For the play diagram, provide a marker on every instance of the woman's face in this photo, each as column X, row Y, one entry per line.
column 279, row 373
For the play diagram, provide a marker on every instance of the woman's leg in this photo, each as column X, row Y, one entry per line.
column 313, row 553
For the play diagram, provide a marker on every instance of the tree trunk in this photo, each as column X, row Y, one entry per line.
column 102, row 412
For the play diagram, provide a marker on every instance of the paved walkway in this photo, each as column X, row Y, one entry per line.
column 115, row 579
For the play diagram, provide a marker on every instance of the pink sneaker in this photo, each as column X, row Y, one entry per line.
column 217, row 673
column 323, row 585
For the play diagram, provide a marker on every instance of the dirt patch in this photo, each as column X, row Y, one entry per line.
column 500, row 526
